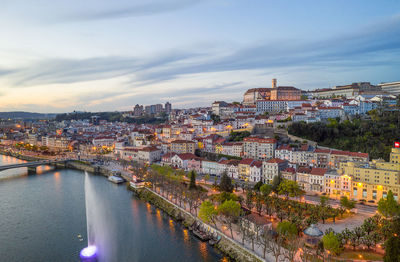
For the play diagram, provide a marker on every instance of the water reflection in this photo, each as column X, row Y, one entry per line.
column 158, row 218
column 186, row 236
column 57, row 181
column 203, row 250
column 172, row 226
column 141, row 232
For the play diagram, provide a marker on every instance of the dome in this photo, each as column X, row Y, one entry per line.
column 313, row 231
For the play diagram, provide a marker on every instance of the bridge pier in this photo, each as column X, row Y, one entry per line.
column 31, row 170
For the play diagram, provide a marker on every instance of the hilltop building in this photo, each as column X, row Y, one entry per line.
column 275, row 93
column 392, row 88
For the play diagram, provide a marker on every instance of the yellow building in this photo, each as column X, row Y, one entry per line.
column 244, row 168
column 183, row 146
column 372, row 181
column 395, row 155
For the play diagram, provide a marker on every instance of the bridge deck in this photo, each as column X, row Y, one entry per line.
column 33, row 164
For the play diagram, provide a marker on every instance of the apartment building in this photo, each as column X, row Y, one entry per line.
column 183, row 146
column 231, row 149
column 259, row 148
column 244, row 168
column 337, row 185
column 272, row 167
column 372, row 180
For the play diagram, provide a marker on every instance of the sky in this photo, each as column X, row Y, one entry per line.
column 101, row 55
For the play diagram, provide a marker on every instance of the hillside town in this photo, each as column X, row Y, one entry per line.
column 203, row 139
column 242, row 145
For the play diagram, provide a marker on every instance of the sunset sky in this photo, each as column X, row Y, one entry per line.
column 102, row 55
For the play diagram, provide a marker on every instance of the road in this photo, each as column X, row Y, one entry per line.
column 335, row 203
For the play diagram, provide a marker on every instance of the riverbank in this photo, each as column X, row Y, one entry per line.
column 226, row 245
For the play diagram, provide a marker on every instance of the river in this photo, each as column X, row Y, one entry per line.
column 42, row 215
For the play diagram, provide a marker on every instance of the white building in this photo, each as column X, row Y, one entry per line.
column 149, row 154
column 256, row 171
column 259, row 148
column 272, row 167
column 330, row 112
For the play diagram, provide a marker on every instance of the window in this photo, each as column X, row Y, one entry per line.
column 355, row 191
column 384, row 194
column 374, row 194
column 364, row 193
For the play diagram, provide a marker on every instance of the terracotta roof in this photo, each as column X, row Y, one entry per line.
column 186, row 156
column 329, row 108
column 260, row 140
column 319, row 150
column 169, row 155
column 276, row 160
column 257, row 164
column 181, row 141
column 290, row 170
column 318, row 171
column 284, row 147
column 149, row 149
column 304, row 170
column 348, row 153
column 246, row 161
column 258, row 90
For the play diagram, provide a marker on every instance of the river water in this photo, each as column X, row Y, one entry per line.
column 42, row 215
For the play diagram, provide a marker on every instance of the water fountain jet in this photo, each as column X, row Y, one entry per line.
column 98, row 230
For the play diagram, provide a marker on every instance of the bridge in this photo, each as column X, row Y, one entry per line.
column 34, row 164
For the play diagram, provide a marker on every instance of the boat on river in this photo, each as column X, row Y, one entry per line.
column 116, row 179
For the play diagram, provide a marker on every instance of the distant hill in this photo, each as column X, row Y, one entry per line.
column 25, row 115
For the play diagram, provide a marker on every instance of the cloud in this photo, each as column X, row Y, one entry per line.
column 374, row 46
column 143, row 9
column 59, row 71
column 377, row 45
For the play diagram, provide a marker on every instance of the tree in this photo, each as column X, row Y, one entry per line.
column 229, row 211
column 226, row 183
column 392, row 244
column 222, row 197
column 332, row 243
column 369, row 225
column 392, row 249
column 257, row 186
column 323, row 201
column 243, row 228
column 275, row 247
column 265, row 190
column 324, row 213
column 275, row 183
column 334, row 213
column 368, row 241
column 289, row 188
column 206, row 177
column 249, row 199
column 388, row 206
column 347, row 204
column 264, row 239
column 215, row 118
column 287, row 230
column 192, row 184
column 208, row 213
column 259, row 202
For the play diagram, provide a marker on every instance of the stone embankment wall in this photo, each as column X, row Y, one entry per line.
column 87, row 167
column 229, row 247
